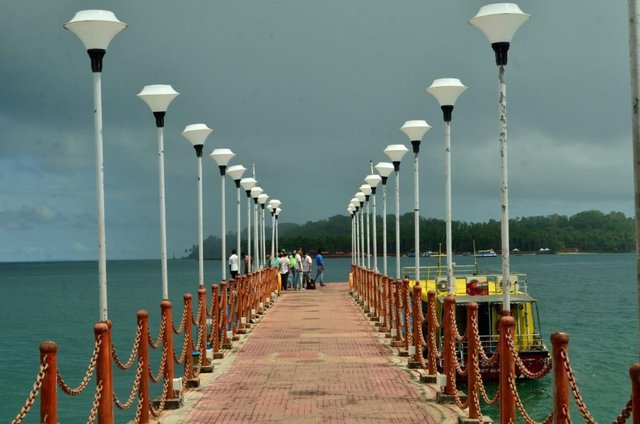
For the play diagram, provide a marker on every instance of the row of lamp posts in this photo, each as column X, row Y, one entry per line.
column 96, row 29
column 498, row 22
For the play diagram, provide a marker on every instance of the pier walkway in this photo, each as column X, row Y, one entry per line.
column 313, row 358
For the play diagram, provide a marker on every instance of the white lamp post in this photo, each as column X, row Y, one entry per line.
column 355, row 203
column 415, row 130
column 499, row 22
column 277, row 214
column 197, row 134
column 247, row 184
column 158, row 97
column 396, row 152
column 361, row 198
column 446, row 91
column 222, row 158
column 273, row 206
column 262, row 200
column 96, row 29
column 373, row 180
column 351, row 211
column 384, row 169
column 235, row 172
column 366, row 189
column 255, row 192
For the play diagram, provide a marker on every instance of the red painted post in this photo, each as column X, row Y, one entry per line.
column 433, row 332
column 397, row 310
column 561, row 412
column 223, row 306
column 48, row 389
column 143, row 357
column 417, row 324
column 165, row 307
column 507, row 372
column 634, row 373
column 448, row 352
column 105, row 407
column 215, row 319
column 202, row 304
column 188, row 335
column 405, row 316
column 384, row 324
column 472, row 362
column 233, row 300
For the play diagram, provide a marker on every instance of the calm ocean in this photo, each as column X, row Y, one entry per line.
column 591, row 296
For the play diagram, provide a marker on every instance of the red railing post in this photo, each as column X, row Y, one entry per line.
column 103, row 374
column 561, row 412
column 215, row 320
column 165, row 307
column 223, row 306
column 416, row 361
column 634, row 373
column 433, row 332
column 406, row 312
column 472, row 361
column 48, row 389
column 202, row 318
column 397, row 311
column 188, row 335
column 507, row 372
column 143, row 358
column 448, row 351
column 384, row 322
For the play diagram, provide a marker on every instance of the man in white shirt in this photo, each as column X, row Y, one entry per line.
column 298, row 282
column 234, row 265
column 307, row 262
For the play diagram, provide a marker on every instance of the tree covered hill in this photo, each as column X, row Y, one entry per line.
column 589, row 231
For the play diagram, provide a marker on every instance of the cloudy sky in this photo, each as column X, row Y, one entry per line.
column 309, row 92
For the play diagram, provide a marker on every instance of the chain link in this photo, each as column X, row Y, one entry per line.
column 196, row 320
column 87, row 376
column 162, row 364
column 96, row 403
column 134, row 351
column 574, row 389
column 163, row 399
column 534, row 376
column 183, row 320
column 625, row 413
column 33, row 393
column 156, row 344
column 134, row 390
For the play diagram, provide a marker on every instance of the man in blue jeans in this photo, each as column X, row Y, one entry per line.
column 319, row 268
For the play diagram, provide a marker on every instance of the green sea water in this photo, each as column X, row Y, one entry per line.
column 592, row 297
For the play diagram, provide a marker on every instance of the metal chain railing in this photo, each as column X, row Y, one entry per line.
column 33, row 393
column 582, row 407
column 525, row 371
column 87, row 376
column 134, row 390
column 183, row 320
column 625, row 413
column 95, row 404
column 134, row 351
column 520, row 405
column 160, row 339
column 163, row 361
column 163, row 400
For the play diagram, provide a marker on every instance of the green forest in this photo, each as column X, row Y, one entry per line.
column 589, row 231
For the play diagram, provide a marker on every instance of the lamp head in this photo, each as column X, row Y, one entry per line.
column 158, row 97
column 499, row 22
column 262, row 199
column 384, row 169
column 275, row 203
column 235, row 172
column 255, row 192
column 366, row 189
column 248, row 183
column 197, row 134
column 446, row 91
column 373, row 180
column 277, row 212
column 361, row 197
column 222, row 158
column 396, row 152
column 415, row 130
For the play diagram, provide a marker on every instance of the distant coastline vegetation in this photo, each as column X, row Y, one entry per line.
column 589, row 231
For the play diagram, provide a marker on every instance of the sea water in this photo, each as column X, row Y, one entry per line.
column 590, row 296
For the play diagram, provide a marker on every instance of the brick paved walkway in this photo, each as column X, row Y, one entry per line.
column 315, row 359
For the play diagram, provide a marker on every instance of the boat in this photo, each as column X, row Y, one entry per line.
column 486, row 291
column 486, row 253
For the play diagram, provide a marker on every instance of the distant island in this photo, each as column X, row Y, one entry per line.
column 589, row 231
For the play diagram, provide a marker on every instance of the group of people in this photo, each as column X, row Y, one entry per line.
column 295, row 269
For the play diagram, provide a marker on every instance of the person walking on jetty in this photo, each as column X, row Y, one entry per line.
column 284, row 270
column 247, row 263
column 319, row 268
column 298, row 277
column 234, row 265
column 307, row 263
column 292, row 270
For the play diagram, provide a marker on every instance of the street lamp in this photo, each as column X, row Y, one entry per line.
column 415, row 130
column 197, row 134
column 499, row 22
column 396, row 152
column 235, row 172
column 96, row 29
column 366, row 189
column 255, row 192
column 446, row 91
column 277, row 214
column 361, row 198
column 384, row 169
column 273, row 206
column 373, row 180
column 247, row 184
column 355, row 204
column 222, row 158
column 262, row 199
column 351, row 211
column 158, row 97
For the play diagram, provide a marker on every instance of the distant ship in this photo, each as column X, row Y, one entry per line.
column 487, row 253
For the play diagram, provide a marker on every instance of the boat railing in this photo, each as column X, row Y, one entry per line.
column 434, row 271
column 517, row 281
column 523, row 342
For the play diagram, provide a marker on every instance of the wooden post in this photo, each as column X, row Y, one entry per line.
column 416, row 361
column 472, row 361
column 634, row 373
column 507, row 372
column 448, row 352
column 143, row 357
column 405, row 314
column 223, row 306
column 561, row 405
column 215, row 320
column 165, row 307
column 103, row 375
column 48, row 389
column 433, row 332
column 188, row 335
column 202, row 303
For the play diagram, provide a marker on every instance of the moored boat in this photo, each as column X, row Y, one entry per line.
column 486, row 253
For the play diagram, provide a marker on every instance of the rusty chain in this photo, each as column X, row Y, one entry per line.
column 180, row 329
column 520, row 405
column 136, row 419
column 407, row 315
column 574, row 389
column 196, row 371
column 625, row 413
column 163, row 399
column 87, row 376
column 33, row 393
column 134, row 390
column 532, row 375
column 433, row 345
column 483, row 354
column 196, row 321
column 134, row 351
column 96, row 403
column 183, row 354
column 161, row 371
column 156, row 344
column 452, row 376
